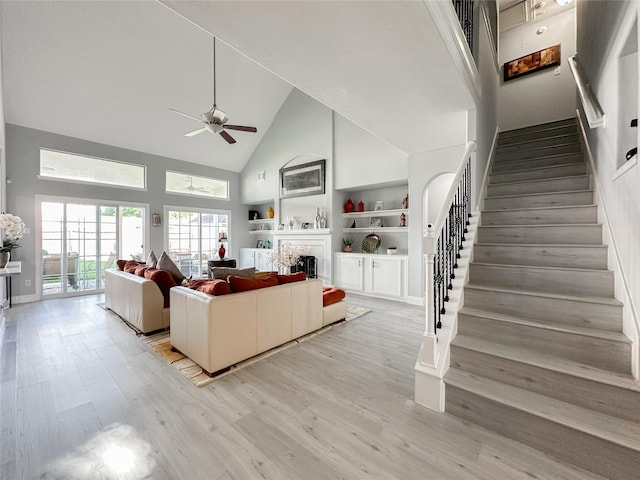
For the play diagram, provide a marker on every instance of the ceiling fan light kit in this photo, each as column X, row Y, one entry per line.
column 215, row 120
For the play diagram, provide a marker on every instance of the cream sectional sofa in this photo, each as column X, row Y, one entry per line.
column 137, row 300
column 217, row 332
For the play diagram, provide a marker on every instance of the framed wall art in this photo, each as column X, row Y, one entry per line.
column 302, row 180
column 534, row 62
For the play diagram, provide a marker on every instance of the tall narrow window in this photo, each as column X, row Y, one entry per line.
column 193, row 238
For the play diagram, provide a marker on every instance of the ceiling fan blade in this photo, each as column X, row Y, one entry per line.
column 241, row 128
column 185, row 114
column 227, row 137
column 195, row 132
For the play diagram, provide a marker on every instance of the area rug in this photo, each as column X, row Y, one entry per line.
column 161, row 344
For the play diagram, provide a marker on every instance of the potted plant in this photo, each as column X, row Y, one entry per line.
column 347, row 244
column 12, row 229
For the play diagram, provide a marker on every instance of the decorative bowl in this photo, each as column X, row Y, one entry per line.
column 371, row 243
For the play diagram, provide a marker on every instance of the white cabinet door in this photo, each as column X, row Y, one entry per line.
column 247, row 258
column 263, row 260
column 386, row 276
column 351, row 272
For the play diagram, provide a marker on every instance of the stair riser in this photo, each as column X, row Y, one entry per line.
column 540, row 186
column 545, row 142
column 502, row 157
column 567, row 215
column 539, row 174
column 580, row 283
column 536, row 135
column 572, row 446
column 550, row 161
column 549, row 128
column 585, row 393
column 596, row 352
column 536, row 201
column 544, row 256
column 545, row 309
column 548, row 234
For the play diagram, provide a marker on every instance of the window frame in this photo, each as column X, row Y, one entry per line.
column 197, row 195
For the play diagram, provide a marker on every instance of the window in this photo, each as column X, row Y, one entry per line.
column 80, row 168
column 194, row 185
column 193, row 238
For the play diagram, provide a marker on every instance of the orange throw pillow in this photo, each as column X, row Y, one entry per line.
column 130, row 266
column 121, row 264
column 242, row 284
column 140, row 269
column 164, row 280
column 215, row 287
column 291, row 277
column 331, row 295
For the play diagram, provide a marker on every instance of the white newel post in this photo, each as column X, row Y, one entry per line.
column 428, row 352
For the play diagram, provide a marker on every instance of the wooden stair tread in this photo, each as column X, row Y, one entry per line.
column 543, row 267
column 612, row 429
column 540, row 127
column 548, row 362
column 590, row 299
column 556, row 155
column 535, row 169
column 567, row 136
column 539, row 245
column 538, row 225
column 563, row 328
column 539, row 193
column 540, row 180
column 532, row 209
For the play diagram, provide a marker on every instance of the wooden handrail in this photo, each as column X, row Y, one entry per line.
column 592, row 109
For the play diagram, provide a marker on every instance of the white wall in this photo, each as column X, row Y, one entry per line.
column 363, row 159
column 542, row 96
column 300, row 132
column 602, row 31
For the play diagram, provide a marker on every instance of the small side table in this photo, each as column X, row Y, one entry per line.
column 12, row 268
column 227, row 262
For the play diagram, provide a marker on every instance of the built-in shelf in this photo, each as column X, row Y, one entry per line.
column 304, row 231
column 261, row 221
column 377, row 213
column 261, row 232
column 376, row 229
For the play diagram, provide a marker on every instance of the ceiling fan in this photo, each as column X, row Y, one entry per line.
column 215, row 120
column 191, row 188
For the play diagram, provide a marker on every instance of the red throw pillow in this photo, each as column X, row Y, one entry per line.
column 242, row 284
column 331, row 295
column 164, row 280
column 215, row 287
column 140, row 269
column 291, row 277
column 194, row 283
column 121, row 264
column 130, row 266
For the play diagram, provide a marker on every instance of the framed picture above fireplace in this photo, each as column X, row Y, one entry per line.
column 303, row 180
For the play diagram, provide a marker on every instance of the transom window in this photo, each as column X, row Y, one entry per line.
column 81, row 168
column 186, row 184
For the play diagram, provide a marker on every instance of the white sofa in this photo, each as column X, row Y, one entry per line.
column 137, row 300
column 217, row 332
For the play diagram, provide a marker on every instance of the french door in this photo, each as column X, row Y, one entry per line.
column 81, row 239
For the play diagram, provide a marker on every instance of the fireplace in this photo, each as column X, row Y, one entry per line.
column 308, row 265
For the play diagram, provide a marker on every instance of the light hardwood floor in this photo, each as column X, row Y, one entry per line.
column 83, row 398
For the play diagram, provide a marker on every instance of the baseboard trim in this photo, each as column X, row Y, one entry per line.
column 630, row 316
column 25, row 299
column 416, row 301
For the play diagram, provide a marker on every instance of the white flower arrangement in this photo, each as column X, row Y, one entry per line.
column 287, row 256
column 13, row 229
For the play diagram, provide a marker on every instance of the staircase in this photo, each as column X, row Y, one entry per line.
column 540, row 356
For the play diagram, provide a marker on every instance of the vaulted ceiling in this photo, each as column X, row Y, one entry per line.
column 109, row 71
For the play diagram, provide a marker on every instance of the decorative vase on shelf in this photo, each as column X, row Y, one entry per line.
column 347, row 249
column 348, row 206
column 316, row 225
column 221, row 251
column 4, row 258
column 270, row 212
column 323, row 221
column 361, row 206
